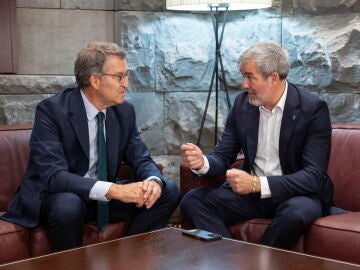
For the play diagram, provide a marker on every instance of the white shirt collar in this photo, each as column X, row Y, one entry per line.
column 91, row 111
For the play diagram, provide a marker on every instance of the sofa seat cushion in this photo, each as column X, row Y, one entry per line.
column 330, row 237
column 15, row 240
column 253, row 229
column 40, row 244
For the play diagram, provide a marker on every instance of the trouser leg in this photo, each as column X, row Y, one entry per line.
column 63, row 216
column 292, row 218
column 215, row 209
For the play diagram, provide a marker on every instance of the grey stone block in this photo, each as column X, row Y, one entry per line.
column 150, row 119
column 19, row 109
column 38, row 3
column 134, row 31
column 183, row 52
column 171, row 166
column 315, row 7
column 287, row 7
column 344, row 108
column 49, row 40
column 239, row 36
column 30, row 84
column 324, row 51
column 184, row 112
column 88, row 4
column 185, row 62
column 140, row 5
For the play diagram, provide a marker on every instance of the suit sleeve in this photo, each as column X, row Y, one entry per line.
column 137, row 154
column 228, row 147
column 311, row 177
column 48, row 159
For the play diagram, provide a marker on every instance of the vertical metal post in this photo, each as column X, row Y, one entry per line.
column 215, row 75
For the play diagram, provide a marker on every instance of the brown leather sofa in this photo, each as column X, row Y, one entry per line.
column 335, row 236
column 17, row 242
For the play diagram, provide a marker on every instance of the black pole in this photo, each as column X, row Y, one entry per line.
column 217, row 53
column 215, row 75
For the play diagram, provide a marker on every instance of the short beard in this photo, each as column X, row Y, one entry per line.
column 254, row 104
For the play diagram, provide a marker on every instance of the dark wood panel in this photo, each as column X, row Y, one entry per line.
column 169, row 249
column 8, row 39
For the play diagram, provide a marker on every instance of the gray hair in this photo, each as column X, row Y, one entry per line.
column 91, row 59
column 269, row 58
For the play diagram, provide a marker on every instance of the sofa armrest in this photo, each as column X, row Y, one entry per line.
column 189, row 180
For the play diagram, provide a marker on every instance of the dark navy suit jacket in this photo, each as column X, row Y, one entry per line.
column 59, row 153
column 304, row 145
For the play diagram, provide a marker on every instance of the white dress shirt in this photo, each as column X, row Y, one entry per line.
column 100, row 188
column 267, row 162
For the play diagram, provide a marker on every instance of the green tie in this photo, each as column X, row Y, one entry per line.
column 103, row 209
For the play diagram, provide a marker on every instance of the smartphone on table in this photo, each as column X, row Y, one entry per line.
column 202, row 235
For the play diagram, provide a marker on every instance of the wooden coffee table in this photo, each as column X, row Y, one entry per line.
column 169, row 249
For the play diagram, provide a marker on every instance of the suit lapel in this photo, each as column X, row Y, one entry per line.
column 289, row 119
column 252, row 124
column 79, row 121
column 112, row 141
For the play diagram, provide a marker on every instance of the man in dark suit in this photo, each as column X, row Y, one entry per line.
column 79, row 139
column 285, row 135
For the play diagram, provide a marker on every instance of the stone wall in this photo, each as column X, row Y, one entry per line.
column 171, row 57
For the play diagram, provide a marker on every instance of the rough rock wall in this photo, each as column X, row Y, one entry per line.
column 171, row 58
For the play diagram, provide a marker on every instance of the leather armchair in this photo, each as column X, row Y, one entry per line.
column 334, row 236
column 17, row 242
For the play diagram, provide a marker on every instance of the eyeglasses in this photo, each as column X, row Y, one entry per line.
column 120, row 77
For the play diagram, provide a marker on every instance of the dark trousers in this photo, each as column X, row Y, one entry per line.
column 64, row 215
column 215, row 209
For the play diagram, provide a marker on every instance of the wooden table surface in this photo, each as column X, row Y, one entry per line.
column 169, row 249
